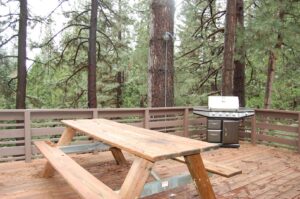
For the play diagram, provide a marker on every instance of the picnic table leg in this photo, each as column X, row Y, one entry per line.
column 65, row 139
column 118, row 155
column 136, row 179
column 199, row 175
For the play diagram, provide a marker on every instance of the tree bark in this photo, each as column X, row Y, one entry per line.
column 160, row 60
column 120, row 81
column 120, row 74
column 92, row 88
column 272, row 62
column 239, row 60
column 229, row 42
column 270, row 78
column 22, row 73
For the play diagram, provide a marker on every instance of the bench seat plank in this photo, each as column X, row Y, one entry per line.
column 145, row 143
column 81, row 180
column 215, row 168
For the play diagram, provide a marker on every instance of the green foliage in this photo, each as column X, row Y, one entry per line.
column 199, row 55
column 203, row 52
column 262, row 32
column 7, row 85
column 67, row 75
column 135, row 89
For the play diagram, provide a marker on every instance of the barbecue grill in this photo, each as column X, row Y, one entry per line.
column 223, row 118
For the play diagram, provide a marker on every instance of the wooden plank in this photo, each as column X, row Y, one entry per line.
column 165, row 111
column 137, row 124
column 84, row 183
column 152, row 145
column 95, row 113
column 118, row 114
column 11, row 133
column 167, row 123
column 47, row 131
column 253, row 130
column 12, row 114
column 14, row 150
column 61, row 114
column 277, row 127
column 12, row 158
column 27, row 139
column 198, row 121
column 12, row 142
column 186, row 123
column 65, row 139
column 216, row 168
column 11, row 125
column 146, row 119
column 277, row 140
column 199, row 175
column 118, row 155
column 276, row 114
column 136, row 179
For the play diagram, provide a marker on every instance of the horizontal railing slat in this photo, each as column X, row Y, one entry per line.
column 11, row 133
column 166, row 123
column 276, row 114
column 291, row 129
column 277, row 140
column 9, row 151
column 46, row 131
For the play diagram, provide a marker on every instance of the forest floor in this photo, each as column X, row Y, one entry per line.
column 267, row 173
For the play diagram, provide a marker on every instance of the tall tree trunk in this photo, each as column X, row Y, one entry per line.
column 92, row 90
column 120, row 74
column 272, row 62
column 22, row 74
column 120, row 81
column 160, row 60
column 229, row 42
column 239, row 60
column 270, row 78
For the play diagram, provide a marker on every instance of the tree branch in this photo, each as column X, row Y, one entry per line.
column 8, row 40
column 60, row 31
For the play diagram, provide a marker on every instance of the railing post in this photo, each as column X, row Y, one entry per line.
column 186, row 122
column 146, row 118
column 27, row 136
column 253, row 129
column 95, row 113
column 299, row 132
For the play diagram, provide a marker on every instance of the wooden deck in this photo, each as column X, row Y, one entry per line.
column 267, row 173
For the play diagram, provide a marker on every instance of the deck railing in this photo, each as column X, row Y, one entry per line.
column 276, row 128
column 18, row 128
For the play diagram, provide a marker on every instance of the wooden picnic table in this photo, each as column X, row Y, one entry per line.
column 147, row 145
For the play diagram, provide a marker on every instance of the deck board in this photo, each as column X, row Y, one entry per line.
column 267, row 173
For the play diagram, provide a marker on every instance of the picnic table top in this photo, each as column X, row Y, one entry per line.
column 145, row 143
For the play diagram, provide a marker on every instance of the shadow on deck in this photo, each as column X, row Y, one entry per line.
column 267, row 173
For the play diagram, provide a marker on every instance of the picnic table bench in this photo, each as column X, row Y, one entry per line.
column 148, row 146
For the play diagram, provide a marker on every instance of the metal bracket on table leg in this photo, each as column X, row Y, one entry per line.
column 166, row 184
column 84, row 148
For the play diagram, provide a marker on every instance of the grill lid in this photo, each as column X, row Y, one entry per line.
column 223, row 103
column 223, row 107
